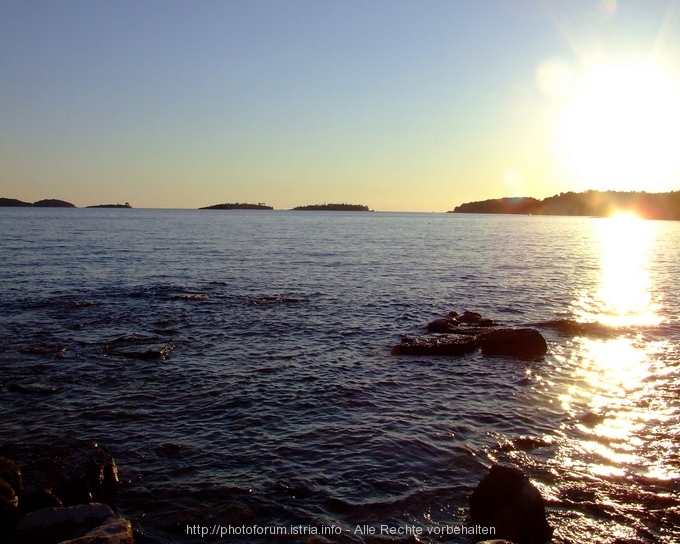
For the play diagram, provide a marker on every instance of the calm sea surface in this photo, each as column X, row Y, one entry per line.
column 278, row 402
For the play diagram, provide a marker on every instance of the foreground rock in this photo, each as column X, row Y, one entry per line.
column 507, row 500
column 10, row 489
column 54, row 525
column 436, row 345
column 522, row 343
column 67, row 473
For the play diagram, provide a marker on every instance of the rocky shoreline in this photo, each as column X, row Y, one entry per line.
column 57, row 493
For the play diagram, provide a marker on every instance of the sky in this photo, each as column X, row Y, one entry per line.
column 400, row 106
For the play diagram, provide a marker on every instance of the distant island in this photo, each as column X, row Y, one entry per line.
column 590, row 203
column 334, row 208
column 47, row 203
column 126, row 205
column 238, row 206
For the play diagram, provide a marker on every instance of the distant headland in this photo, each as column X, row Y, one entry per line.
column 238, row 206
column 334, row 207
column 590, row 203
column 47, row 203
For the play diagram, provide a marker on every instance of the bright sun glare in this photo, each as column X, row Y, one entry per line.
column 621, row 129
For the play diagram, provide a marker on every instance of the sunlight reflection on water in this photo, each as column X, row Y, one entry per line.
column 624, row 297
column 617, row 387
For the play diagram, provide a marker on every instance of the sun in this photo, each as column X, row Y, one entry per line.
column 621, row 129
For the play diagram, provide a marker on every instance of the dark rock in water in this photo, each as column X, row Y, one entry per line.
column 526, row 443
column 591, row 419
column 31, row 389
column 140, row 348
column 55, row 525
column 67, row 473
column 522, row 343
column 435, row 345
column 469, row 317
column 448, row 324
column 507, row 500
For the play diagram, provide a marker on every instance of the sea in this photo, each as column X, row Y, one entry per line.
column 238, row 367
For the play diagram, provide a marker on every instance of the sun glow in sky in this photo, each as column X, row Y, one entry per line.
column 621, row 129
column 402, row 105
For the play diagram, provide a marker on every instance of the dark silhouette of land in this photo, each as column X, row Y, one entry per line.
column 239, row 206
column 48, row 203
column 126, row 205
column 590, row 203
column 334, row 208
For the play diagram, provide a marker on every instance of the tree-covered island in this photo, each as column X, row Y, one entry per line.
column 238, row 206
column 334, row 208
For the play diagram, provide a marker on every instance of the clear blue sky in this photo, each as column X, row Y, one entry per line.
column 397, row 105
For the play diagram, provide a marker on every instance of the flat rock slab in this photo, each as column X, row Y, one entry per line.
column 115, row 530
column 436, row 345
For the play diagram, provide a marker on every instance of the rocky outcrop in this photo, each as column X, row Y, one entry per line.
column 63, row 474
column 507, row 500
column 463, row 333
column 52, row 486
column 521, row 343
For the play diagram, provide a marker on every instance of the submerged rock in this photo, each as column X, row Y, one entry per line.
column 522, row 343
column 56, row 350
column 31, row 388
column 153, row 353
column 436, row 345
column 570, row 327
column 507, row 500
